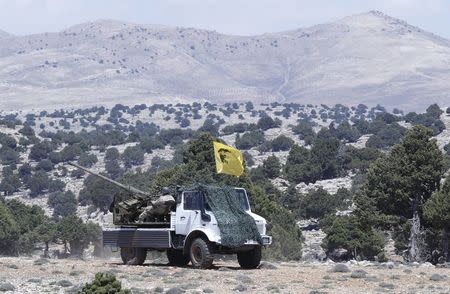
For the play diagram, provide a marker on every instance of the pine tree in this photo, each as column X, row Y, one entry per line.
column 398, row 185
column 437, row 213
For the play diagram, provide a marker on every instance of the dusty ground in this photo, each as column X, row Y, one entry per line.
column 31, row 275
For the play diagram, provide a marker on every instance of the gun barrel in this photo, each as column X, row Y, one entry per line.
column 125, row 187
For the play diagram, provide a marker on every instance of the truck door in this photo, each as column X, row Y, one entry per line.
column 188, row 212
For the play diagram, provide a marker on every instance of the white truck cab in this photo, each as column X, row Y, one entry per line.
column 193, row 235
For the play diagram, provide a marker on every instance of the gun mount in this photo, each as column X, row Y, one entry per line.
column 127, row 211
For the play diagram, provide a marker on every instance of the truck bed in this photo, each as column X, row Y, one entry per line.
column 137, row 237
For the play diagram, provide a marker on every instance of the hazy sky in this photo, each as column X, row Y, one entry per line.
column 244, row 17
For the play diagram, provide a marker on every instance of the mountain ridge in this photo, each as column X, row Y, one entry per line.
column 366, row 58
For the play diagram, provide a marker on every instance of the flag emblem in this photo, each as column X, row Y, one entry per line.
column 229, row 160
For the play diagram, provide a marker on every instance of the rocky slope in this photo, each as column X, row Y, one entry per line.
column 369, row 58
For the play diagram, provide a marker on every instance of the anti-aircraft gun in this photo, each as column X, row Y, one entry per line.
column 126, row 212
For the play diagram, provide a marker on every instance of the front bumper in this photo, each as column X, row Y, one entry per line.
column 266, row 240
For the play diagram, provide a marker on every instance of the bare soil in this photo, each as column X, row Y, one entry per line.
column 32, row 275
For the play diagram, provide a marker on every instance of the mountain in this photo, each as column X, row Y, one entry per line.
column 369, row 58
column 3, row 34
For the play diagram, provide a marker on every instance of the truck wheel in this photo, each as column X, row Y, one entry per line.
column 250, row 259
column 133, row 256
column 200, row 253
column 176, row 257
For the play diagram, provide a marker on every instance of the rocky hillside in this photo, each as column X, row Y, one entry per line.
column 369, row 58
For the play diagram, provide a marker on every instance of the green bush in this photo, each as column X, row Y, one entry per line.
column 104, row 283
column 346, row 232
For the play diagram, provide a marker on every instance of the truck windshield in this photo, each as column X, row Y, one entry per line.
column 242, row 199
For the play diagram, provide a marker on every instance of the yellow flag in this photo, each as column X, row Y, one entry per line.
column 228, row 159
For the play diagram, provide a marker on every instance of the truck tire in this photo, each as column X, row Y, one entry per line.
column 250, row 259
column 176, row 257
column 201, row 254
column 133, row 256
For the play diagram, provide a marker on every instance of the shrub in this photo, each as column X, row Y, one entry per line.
column 104, row 283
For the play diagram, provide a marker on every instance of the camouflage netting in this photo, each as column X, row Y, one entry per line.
column 235, row 224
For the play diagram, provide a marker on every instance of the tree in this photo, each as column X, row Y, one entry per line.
column 272, row 167
column 9, row 231
column 47, row 232
column 347, row 233
column 97, row 192
column 77, row 234
column 27, row 218
column 249, row 140
column 9, row 156
column 87, row 160
column 266, row 122
column 305, row 131
column 319, row 203
column 347, row 132
column 45, row 164
column 112, row 154
column 38, row 183
column 437, row 213
column 10, row 184
column 133, row 156
column 281, row 143
column 398, row 185
column 113, row 169
column 41, row 150
column 63, row 203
